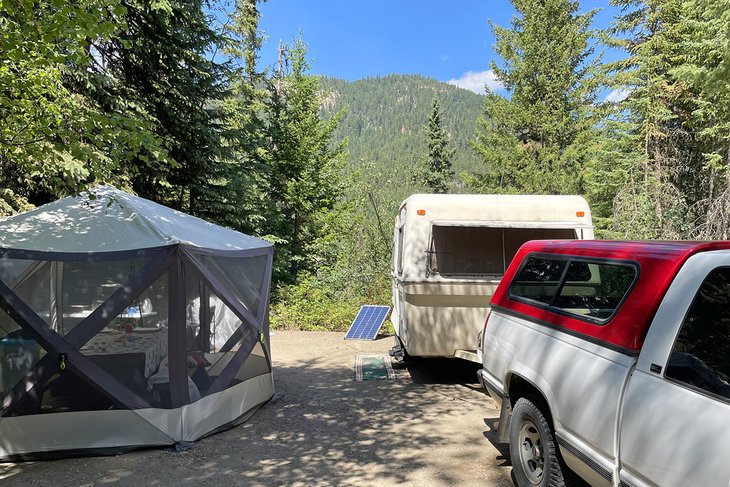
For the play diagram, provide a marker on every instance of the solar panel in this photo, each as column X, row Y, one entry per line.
column 366, row 324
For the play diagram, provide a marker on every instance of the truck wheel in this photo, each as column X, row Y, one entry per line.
column 535, row 457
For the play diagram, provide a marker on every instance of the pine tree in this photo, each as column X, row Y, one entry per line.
column 161, row 61
column 536, row 140
column 704, row 67
column 246, row 107
column 438, row 172
column 302, row 163
column 662, row 170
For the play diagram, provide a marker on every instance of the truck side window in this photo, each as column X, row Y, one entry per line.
column 594, row 290
column 590, row 290
column 701, row 355
column 538, row 279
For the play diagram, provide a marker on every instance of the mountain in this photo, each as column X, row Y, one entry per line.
column 385, row 117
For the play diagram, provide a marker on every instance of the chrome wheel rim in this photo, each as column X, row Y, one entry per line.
column 531, row 452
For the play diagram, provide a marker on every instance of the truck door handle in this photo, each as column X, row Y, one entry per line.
column 657, row 369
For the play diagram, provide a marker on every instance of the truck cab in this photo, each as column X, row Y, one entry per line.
column 611, row 361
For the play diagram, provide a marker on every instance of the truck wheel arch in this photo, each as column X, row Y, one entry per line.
column 517, row 386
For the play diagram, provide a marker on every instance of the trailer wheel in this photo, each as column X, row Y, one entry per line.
column 536, row 460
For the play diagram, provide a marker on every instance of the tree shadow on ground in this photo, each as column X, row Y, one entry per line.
column 321, row 428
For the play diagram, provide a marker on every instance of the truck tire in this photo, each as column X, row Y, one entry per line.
column 536, row 461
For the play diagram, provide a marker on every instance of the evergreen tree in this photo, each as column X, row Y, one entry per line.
column 438, row 170
column 661, row 168
column 302, row 164
column 162, row 60
column 704, row 68
column 536, row 141
column 246, row 109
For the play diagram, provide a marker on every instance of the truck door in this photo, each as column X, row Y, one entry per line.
column 676, row 411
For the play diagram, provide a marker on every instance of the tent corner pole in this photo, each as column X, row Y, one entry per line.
column 179, row 395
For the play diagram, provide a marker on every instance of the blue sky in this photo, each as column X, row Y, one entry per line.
column 448, row 41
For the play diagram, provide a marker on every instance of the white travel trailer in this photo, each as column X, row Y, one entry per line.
column 449, row 254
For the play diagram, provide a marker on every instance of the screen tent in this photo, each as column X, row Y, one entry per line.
column 124, row 323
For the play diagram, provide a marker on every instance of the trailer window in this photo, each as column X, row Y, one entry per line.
column 399, row 264
column 466, row 251
column 515, row 237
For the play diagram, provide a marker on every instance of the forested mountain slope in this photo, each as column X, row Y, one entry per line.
column 385, row 117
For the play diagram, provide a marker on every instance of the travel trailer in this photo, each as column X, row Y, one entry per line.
column 449, row 254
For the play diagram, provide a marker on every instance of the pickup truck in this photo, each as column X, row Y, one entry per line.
column 611, row 362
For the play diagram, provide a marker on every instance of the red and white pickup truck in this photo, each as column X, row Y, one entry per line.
column 611, row 360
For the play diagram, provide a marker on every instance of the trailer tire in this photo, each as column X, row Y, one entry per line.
column 536, row 460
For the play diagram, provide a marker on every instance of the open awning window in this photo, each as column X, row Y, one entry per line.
column 460, row 250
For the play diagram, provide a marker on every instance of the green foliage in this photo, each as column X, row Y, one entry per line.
column 359, row 237
column 352, row 253
column 384, row 118
column 605, row 174
column 437, row 173
column 160, row 59
column 54, row 138
column 536, row 141
column 246, row 111
column 11, row 203
column 662, row 171
column 302, row 164
column 703, row 67
column 309, row 306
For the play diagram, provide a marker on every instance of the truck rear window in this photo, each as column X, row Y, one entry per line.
column 589, row 290
column 472, row 250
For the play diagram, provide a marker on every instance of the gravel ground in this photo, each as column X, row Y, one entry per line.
column 430, row 426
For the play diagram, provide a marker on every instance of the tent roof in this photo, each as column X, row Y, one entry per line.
column 107, row 219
